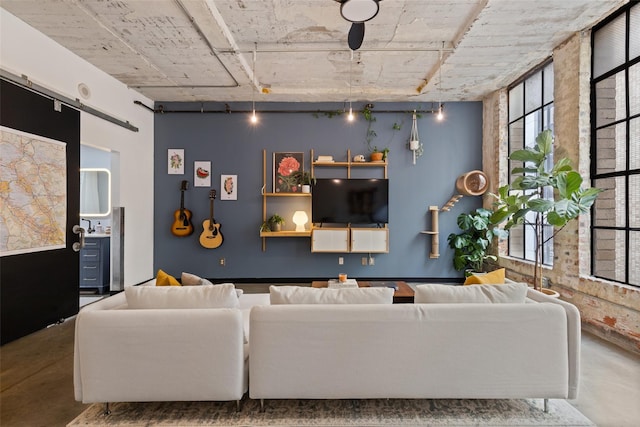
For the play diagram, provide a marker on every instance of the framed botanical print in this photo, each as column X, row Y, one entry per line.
column 285, row 166
column 201, row 174
column 175, row 161
column 229, row 186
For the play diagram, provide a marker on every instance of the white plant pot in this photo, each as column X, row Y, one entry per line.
column 414, row 144
column 306, row 188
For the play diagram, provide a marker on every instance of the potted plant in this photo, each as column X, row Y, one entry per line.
column 265, row 226
column 525, row 195
column 304, row 180
column 379, row 155
column 472, row 246
column 276, row 222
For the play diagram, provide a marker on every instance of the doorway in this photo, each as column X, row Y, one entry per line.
column 100, row 269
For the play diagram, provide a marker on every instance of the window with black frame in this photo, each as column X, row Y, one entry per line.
column 615, row 146
column 530, row 112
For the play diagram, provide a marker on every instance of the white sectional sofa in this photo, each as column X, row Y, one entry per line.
column 334, row 350
column 459, row 350
column 141, row 355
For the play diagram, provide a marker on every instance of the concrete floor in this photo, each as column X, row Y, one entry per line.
column 37, row 381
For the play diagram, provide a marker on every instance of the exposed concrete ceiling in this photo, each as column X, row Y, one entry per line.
column 413, row 50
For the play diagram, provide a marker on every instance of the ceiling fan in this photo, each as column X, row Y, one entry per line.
column 358, row 12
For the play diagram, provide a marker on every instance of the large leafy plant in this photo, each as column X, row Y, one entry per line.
column 522, row 201
column 472, row 246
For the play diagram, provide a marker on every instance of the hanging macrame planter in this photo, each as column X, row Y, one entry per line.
column 414, row 141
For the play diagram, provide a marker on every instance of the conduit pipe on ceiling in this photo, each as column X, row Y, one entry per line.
column 213, row 50
column 457, row 39
column 228, row 110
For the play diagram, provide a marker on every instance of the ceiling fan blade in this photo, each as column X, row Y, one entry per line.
column 356, row 35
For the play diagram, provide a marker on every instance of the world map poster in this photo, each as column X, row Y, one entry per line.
column 33, row 193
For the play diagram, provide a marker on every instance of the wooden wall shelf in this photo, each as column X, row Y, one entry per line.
column 264, row 235
column 287, row 194
column 285, row 233
column 348, row 164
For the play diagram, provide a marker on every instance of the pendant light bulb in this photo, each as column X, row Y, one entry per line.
column 350, row 116
column 440, row 114
column 254, row 118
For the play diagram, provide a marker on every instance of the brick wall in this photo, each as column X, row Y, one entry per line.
column 608, row 309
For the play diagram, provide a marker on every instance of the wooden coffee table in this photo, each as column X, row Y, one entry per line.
column 404, row 293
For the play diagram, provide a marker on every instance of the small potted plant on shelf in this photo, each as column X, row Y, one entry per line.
column 379, row 155
column 472, row 246
column 276, row 222
column 304, row 180
column 265, row 226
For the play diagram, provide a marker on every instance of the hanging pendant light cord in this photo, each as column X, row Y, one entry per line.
column 350, row 117
column 253, row 86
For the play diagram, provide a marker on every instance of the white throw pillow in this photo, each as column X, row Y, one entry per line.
column 217, row 296
column 507, row 293
column 188, row 279
column 307, row 295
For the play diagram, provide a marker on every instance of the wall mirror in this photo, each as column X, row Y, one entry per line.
column 95, row 192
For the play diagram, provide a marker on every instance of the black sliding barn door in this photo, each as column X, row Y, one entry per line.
column 40, row 288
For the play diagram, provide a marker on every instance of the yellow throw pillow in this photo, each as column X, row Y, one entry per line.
column 164, row 279
column 495, row 277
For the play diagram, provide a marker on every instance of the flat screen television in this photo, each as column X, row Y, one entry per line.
column 350, row 201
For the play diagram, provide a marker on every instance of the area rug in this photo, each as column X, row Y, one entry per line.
column 337, row 413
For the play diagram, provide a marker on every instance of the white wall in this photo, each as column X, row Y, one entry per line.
column 26, row 51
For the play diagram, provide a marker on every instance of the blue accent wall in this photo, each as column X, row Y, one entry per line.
column 234, row 146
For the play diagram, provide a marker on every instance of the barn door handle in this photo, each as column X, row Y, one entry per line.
column 80, row 244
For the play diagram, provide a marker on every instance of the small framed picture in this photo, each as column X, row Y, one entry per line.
column 229, row 187
column 175, row 161
column 202, row 174
column 285, row 166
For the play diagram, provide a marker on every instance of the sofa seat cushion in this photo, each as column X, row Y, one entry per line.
column 435, row 293
column 306, row 295
column 154, row 297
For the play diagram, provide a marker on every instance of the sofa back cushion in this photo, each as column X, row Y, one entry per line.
column 307, row 295
column 507, row 293
column 154, row 297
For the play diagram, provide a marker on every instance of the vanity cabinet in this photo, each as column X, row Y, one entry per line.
column 94, row 264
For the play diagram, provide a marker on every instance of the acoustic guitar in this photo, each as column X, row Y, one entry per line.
column 182, row 225
column 211, row 236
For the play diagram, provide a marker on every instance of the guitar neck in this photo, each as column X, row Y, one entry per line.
column 181, row 200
